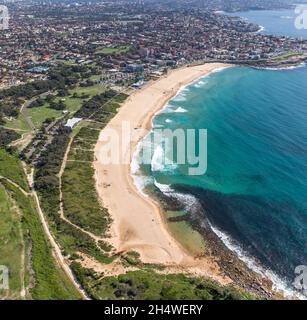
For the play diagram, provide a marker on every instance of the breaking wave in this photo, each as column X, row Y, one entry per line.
column 180, row 109
column 279, row 284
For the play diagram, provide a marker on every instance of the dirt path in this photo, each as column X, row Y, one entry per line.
column 23, row 142
column 15, row 185
column 55, row 248
column 63, row 166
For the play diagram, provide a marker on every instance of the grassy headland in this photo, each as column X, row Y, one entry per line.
column 41, row 276
column 150, row 285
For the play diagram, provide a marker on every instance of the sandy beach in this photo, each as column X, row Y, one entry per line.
column 137, row 221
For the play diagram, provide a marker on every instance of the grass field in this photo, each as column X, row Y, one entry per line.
column 114, row 50
column 95, row 77
column 19, row 124
column 91, row 90
column 39, row 114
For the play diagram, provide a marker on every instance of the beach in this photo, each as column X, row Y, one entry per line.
column 137, row 223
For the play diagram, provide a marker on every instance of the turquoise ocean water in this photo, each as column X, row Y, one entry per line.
column 254, row 193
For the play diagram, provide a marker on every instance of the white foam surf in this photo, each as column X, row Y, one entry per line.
column 157, row 159
column 261, row 29
column 301, row 65
column 279, row 284
column 140, row 181
column 160, row 162
column 181, row 94
column 180, row 110
column 217, row 70
column 164, row 188
column 189, row 201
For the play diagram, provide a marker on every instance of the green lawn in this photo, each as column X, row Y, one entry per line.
column 95, row 77
column 113, row 50
column 18, row 123
column 91, row 90
column 73, row 104
column 39, row 115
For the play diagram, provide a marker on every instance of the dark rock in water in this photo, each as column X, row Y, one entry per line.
column 242, row 218
column 259, row 225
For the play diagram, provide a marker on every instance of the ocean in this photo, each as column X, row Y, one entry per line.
column 253, row 193
column 279, row 22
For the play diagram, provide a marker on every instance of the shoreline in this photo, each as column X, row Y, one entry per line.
column 137, row 220
column 143, row 227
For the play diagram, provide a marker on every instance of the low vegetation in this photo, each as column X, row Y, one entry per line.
column 50, row 282
column 10, row 168
column 7, row 136
column 80, row 200
column 42, row 276
column 81, row 205
column 149, row 285
column 47, row 184
column 11, row 245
